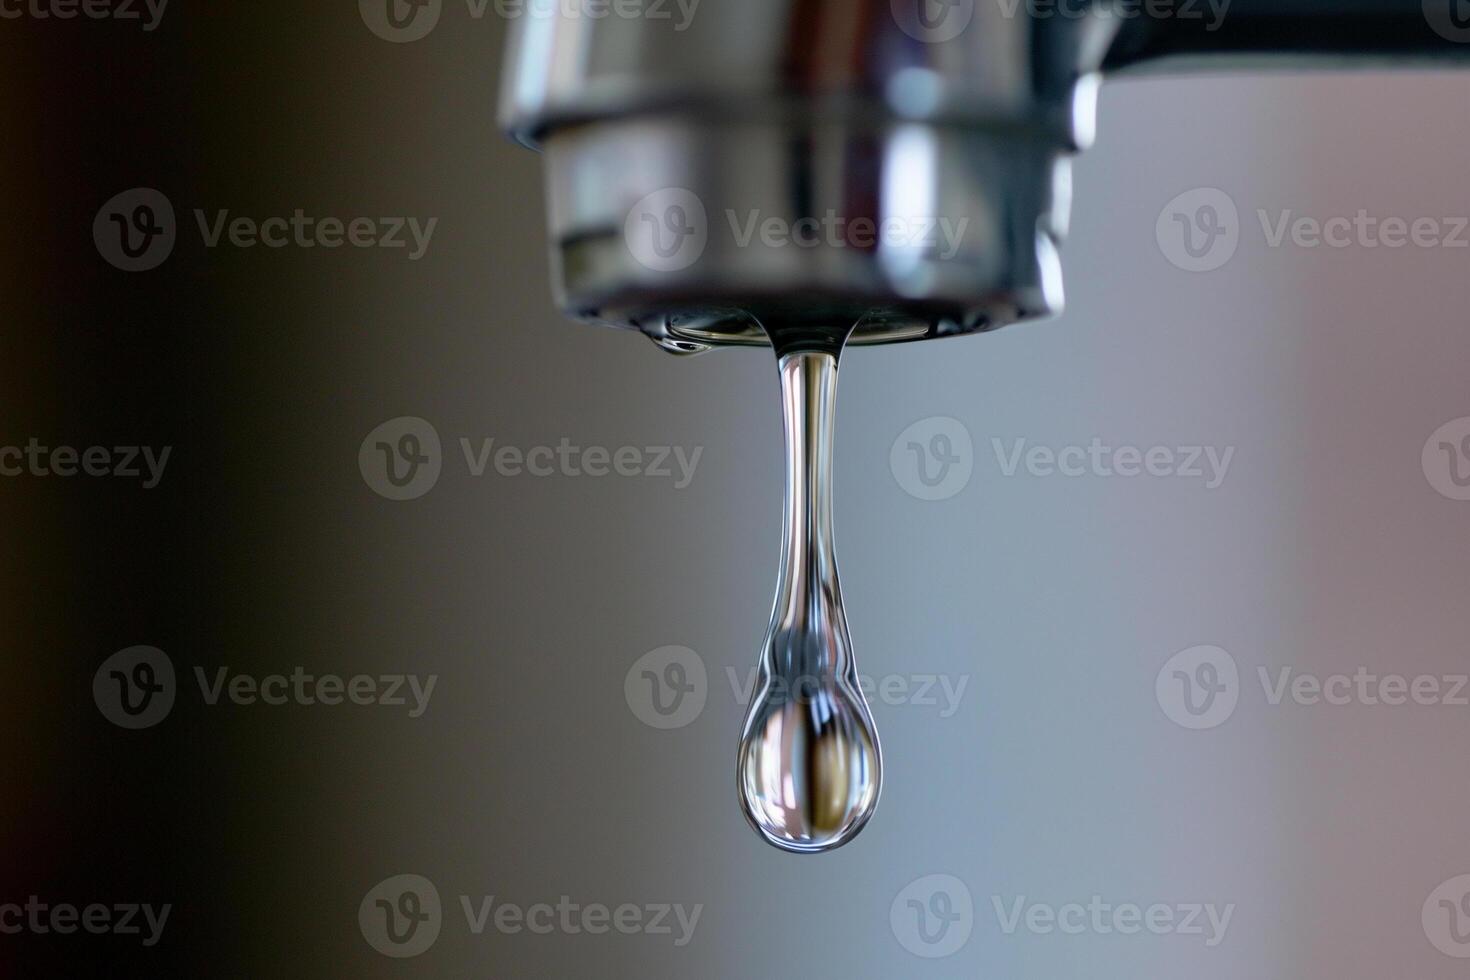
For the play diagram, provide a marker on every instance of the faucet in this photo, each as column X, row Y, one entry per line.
column 811, row 173
column 899, row 167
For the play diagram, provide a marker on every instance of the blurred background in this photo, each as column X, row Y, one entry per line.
column 1041, row 764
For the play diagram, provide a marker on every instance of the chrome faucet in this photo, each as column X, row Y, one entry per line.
column 808, row 172
column 897, row 165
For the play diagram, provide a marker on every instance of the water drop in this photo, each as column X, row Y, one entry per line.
column 809, row 765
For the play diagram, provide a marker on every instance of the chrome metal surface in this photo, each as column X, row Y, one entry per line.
column 670, row 140
column 919, row 185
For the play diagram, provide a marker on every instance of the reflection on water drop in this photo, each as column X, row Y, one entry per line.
column 809, row 782
column 809, row 765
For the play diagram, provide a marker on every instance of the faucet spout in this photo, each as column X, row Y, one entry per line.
column 898, row 164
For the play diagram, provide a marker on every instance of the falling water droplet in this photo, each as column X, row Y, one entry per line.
column 810, row 765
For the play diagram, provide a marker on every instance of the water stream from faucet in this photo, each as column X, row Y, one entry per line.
column 809, row 766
